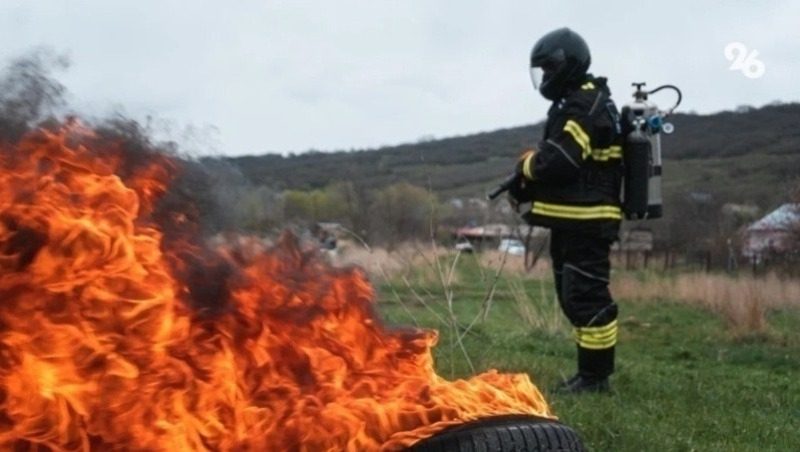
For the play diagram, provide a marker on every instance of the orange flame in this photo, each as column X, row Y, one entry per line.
column 100, row 350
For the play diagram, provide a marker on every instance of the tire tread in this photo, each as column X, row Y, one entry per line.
column 504, row 434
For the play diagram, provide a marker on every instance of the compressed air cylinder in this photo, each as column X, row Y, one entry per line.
column 637, row 160
column 654, row 201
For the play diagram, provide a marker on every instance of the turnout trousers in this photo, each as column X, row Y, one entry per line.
column 581, row 268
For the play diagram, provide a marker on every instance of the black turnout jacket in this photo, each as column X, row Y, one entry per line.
column 576, row 174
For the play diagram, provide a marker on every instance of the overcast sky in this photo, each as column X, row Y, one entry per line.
column 287, row 76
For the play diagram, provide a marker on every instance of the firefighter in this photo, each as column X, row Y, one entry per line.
column 572, row 181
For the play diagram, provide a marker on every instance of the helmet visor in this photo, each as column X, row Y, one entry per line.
column 537, row 74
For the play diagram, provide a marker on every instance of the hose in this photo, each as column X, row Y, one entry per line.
column 677, row 91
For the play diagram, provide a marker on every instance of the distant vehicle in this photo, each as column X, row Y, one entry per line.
column 512, row 246
column 464, row 245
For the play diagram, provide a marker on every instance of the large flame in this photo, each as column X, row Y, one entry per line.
column 101, row 347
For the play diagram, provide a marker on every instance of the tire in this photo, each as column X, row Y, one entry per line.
column 516, row 433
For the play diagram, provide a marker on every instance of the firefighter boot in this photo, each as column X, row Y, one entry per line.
column 580, row 384
column 594, row 367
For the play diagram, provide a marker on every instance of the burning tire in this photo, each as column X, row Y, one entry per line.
column 504, row 434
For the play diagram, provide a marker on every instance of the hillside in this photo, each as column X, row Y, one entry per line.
column 752, row 155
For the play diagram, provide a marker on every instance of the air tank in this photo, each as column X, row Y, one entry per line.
column 642, row 157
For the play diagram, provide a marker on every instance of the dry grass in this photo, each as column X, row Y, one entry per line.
column 416, row 263
column 377, row 262
column 432, row 273
column 536, row 309
column 434, row 276
column 515, row 265
column 742, row 302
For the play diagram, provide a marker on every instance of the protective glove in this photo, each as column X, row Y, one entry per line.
column 521, row 191
column 512, row 200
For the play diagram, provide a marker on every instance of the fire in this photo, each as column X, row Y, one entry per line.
column 122, row 331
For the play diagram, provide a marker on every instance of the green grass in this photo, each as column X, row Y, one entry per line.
column 682, row 383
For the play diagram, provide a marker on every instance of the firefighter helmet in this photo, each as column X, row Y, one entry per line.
column 559, row 61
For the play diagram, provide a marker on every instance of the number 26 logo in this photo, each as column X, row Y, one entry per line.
column 743, row 60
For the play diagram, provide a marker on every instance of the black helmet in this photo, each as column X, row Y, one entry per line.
column 559, row 60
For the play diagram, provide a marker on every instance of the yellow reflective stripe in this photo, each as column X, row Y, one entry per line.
column 587, row 213
column 603, row 155
column 527, row 165
column 587, row 85
column 596, row 338
column 577, row 212
column 597, row 346
column 599, row 329
column 580, row 136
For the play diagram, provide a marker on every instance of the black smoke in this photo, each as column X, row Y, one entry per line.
column 188, row 213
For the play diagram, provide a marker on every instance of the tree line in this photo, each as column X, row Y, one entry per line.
column 722, row 171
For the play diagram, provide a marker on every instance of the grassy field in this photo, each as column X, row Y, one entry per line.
column 686, row 378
